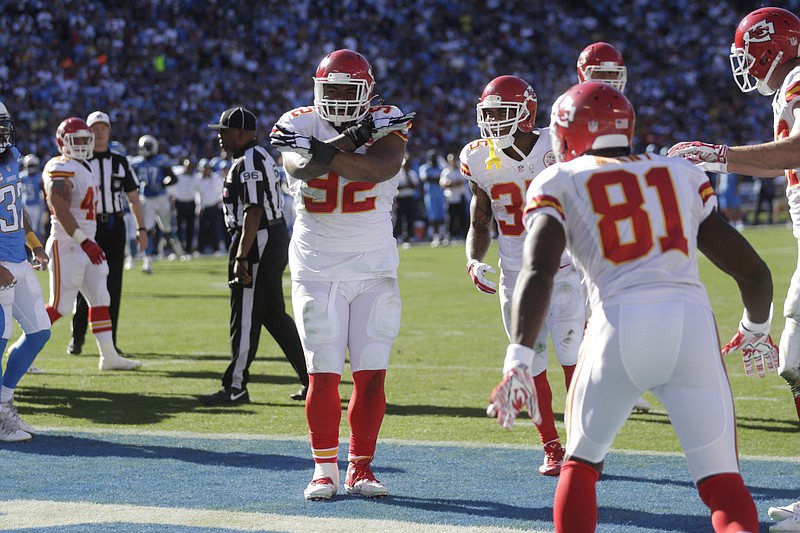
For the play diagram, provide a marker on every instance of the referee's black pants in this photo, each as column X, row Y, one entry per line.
column 260, row 304
column 112, row 239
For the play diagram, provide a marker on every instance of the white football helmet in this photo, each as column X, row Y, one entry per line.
column 148, row 145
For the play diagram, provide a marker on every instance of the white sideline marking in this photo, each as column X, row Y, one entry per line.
column 344, row 440
column 18, row 514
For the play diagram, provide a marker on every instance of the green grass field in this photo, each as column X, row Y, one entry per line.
column 444, row 364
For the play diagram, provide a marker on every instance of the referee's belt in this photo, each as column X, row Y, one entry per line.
column 104, row 218
column 275, row 221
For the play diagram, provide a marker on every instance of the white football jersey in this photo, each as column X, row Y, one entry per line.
column 630, row 223
column 346, row 234
column 786, row 98
column 84, row 194
column 506, row 188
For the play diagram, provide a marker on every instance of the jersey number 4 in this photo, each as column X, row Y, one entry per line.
column 87, row 204
column 334, row 195
column 629, row 212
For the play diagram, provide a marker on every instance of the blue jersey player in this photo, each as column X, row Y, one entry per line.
column 20, row 291
column 32, row 192
column 155, row 174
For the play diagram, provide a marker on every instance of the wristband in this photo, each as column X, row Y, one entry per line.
column 32, row 240
column 757, row 328
column 516, row 355
column 79, row 235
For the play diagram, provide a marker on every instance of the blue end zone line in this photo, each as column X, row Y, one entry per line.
column 467, row 486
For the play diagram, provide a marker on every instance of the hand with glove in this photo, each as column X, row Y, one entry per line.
column 93, row 250
column 286, row 140
column 708, row 157
column 477, row 271
column 376, row 129
column 516, row 390
column 757, row 347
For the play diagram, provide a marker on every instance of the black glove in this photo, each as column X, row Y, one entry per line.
column 361, row 133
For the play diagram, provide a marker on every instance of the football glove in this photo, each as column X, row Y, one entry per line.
column 93, row 250
column 383, row 126
column 708, row 157
column 477, row 271
column 757, row 347
column 516, row 390
column 286, row 140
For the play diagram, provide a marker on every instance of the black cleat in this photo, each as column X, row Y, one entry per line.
column 301, row 394
column 75, row 347
column 226, row 397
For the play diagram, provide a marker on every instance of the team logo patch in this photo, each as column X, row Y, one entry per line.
column 761, row 32
column 549, row 159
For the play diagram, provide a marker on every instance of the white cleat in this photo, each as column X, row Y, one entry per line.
column 10, row 433
column 117, row 362
column 325, row 482
column 34, row 370
column 320, row 489
column 9, row 413
column 360, row 480
column 782, row 513
column 789, row 524
column 641, row 406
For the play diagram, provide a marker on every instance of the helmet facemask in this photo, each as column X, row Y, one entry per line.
column 742, row 61
column 607, row 72
column 502, row 122
column 78, row 145
column 342, row 111
column 8, row 133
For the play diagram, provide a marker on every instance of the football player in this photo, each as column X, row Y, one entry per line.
column 604, row 63
column 341, row 157
column 78, row 263
column 155, row 174
column 500, row 166
column 20, row 291
column 764, row 57
column 634, row 225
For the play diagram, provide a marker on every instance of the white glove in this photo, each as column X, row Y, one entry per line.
column 312, row 193
column 383, row 126
column 708, row 157
column 757, row 347
column 286, row 140
column 516, row 390
column 477, row 271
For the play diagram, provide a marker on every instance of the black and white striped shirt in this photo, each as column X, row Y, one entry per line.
column 252, row 179
column 114, row 176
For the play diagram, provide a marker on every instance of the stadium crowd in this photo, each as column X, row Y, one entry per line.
column 168, row 67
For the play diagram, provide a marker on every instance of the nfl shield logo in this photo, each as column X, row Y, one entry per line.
column 593, row 126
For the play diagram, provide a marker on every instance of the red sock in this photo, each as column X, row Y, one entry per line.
column 568, row 371
column 797, row 406
column 365, row 412
column 52, row 313
column 99, row 319
column 732, row 506
column 575, row 505
column 547, row 429
column 324, row 413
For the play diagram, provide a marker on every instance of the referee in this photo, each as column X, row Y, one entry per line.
column 259, row 252
column 114, row 176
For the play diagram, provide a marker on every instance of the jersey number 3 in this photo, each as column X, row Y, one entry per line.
column 629, row 212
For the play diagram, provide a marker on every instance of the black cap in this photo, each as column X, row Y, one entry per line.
column 237, row 118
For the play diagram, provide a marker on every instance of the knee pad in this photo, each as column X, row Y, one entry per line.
column 372, row 357
column 319, row 326
column 325, row 359
column 567, row 300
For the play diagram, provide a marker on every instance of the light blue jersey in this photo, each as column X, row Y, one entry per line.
column 12, row 231
column 151, row 172
column 31, row 188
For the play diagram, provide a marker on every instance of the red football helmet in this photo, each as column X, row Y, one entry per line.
column 343, row 67
column 602, row 62
column 507, row 104
column 75, row 139
column 590, row 116
column 764, row 39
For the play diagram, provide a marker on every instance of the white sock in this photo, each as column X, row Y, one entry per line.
column 6, row 394
column 105, row 343
column 330, row 470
